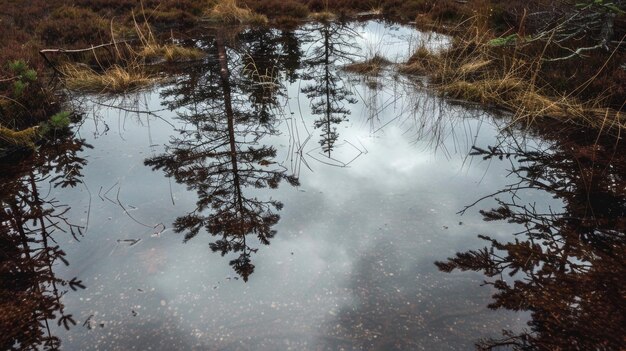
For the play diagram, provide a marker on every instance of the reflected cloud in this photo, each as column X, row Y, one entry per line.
column 350, row 260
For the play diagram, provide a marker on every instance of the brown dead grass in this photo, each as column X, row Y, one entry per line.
column 421, row 62
column 169, row 52
column 227, row 11
column 323, row 16
column 128, row 70
column 150, row 49
column 373, row 66
column 472, row 70
column 114, row 80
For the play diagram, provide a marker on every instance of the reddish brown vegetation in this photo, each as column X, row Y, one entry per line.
column 68, row 25
column 28, row 26
column 278, row 8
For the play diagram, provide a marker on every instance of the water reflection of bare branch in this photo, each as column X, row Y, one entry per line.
column 133, row 107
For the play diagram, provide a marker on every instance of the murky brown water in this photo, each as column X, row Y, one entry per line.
column 265, row 199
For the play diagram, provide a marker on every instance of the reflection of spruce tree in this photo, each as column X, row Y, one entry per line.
column 29, row 290
column 568, row 268
column 267, row 55
column 291, row 55
column 219, row 158
column 328, row 93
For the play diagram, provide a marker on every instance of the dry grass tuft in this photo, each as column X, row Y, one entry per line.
column 472, row 70
column 474, row 66
column 421, row 62
column 323, row 16
column 375, row 11
column 127, row 70
column 114, row 80
column 151, row 50
column 372, row 66
column 422, row 53
column 227, row 11
column 169, row 52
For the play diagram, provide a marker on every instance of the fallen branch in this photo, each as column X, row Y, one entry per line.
column 44, row 52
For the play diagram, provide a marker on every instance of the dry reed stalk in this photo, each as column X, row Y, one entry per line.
column 470, row 69
column 151, row 50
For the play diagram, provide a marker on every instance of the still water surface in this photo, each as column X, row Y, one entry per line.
column 266, row 199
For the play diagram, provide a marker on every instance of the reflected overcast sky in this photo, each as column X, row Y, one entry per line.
column 352, row 263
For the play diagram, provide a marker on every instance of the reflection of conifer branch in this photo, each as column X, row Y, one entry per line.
column 565, row 268
column 30, row 293
column 328, row 93
column 220, row 156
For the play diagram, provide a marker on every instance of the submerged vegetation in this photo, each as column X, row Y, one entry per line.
column 370, row 66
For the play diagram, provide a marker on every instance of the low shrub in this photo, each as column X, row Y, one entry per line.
column 274, row 9
column 24, row 100
column 343, row 6
column 71, row 27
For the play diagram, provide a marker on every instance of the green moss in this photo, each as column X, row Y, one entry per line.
column 26, row 137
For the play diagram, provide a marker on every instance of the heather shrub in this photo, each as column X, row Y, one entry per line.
column 406, row 9
column 70, row 26
column 278, row 8
column 108, row 8
column 343, row 5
